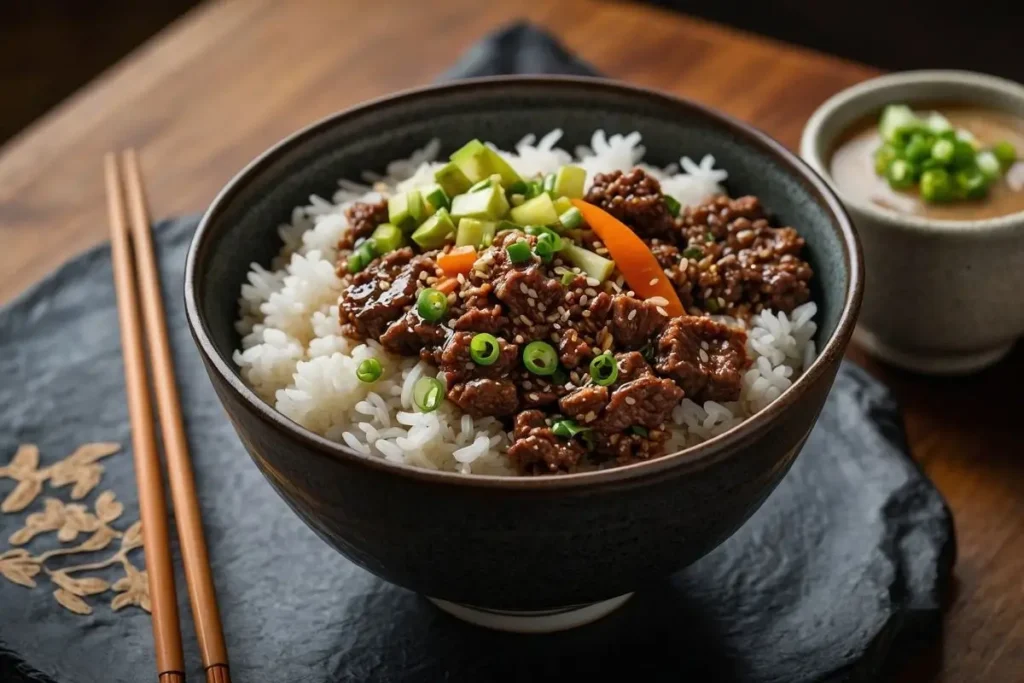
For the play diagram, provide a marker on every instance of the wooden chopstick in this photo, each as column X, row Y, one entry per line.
column 170, row 660
column 201, row 590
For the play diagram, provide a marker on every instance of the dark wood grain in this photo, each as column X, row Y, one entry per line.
column 226, row 81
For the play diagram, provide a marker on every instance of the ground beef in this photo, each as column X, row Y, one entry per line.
column 489, row 320
column 411, row 335
column 634, row 321
column 529, row 294
column 733, row 261
column 482, row 397
column 363, row 218
column 585, row 404
column 646, row 402
column 458, row 365
column 536, row 391
column 380, row 293
column 536, row 449
column 626, row 448
column 635, row 198
column 573, row 350
column 632, row 365
column 707, row 359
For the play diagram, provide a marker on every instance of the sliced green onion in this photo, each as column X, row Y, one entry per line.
column 604, row 370
column 431, row 304
column 549, row 183
column 1006, row 153
column 567, row 277
column 988, row 163
column 367, row 251
column 971, row 183
column 711, row 304
column 369, row 370
column 545, row 248
column 589, row 440
column 672, row 204
column 539, row 231
column 709, row 237
column 936, row 185
column 534, row 189
column 695, row 253
column 518, row 187
column 427, row 394
column 484, row 349
column 540, row 358
column 963, row 154
column 355, row 262
column 571, row 219
column 563, row 204
column 639, row 431
column 918, row 148
column 568, row 428
column 517, row 199
column 897, row 122
column 884, row 156
column 518, row 252
column 648, row 353
column 560, row 376
column 943, row 150
column 900, row 174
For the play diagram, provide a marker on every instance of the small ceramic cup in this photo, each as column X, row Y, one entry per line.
column 941, row 297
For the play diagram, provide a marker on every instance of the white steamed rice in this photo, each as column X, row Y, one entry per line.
column 294, row 355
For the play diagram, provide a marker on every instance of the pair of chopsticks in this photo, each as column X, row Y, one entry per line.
column 136, row 281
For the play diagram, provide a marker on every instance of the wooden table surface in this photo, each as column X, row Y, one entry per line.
column 229, row 79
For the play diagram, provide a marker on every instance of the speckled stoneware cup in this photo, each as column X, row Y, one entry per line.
column 527, row 554
column 943, row 297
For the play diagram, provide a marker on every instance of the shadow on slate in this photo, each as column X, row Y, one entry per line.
column 851, row 553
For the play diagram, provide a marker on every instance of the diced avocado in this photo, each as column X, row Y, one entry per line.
column 569, row 182
column 474, row 232
column 488, row 204
column 388, row 238
column 590, row 263
column 435, row 230
column 537, row 211
column 434, row 198
column 562, row 204
column 478, row 161
column 406, row 210
column 451, row 179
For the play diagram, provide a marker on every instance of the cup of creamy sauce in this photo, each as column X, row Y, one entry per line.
column 944, row 274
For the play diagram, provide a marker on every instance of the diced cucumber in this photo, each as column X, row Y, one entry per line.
column 488, row 204
column 569, row 182
column 478, row 161
column 537, row 211
column 493, row 179
column 590, row 263
column 435, row 198
column 516, row 199
column 388, row 237
column 562, row 204
column 435, row 230
column 474, row 232
column 451, row 179
column 406, row 210
column 504, row 226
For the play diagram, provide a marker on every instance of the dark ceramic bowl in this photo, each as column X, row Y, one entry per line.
column 508, row 543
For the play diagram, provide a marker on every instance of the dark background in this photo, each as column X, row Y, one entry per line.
column 50, row 48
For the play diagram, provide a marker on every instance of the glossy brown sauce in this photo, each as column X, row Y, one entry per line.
column 852, row 167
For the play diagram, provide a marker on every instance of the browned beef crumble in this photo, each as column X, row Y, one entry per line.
column 722, row 257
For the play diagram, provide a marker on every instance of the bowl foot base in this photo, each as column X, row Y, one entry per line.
column 930, row 363
column 540, row 621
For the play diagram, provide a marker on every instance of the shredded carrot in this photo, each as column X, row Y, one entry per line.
column 458, row 260
column 632, row 257
column 448, row 285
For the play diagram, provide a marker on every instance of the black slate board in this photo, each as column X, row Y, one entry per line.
column 851, row 553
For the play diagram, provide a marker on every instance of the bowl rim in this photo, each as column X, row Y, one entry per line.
column 813, row 152
column 701, row 455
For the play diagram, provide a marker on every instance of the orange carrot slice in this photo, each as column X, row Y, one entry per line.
column 632, row 257
column 458, row 260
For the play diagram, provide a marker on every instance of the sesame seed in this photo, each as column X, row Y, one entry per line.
column 384, row 285
column 631, row 293
column 531, row 302
column 658, row 301
column 469, row 366
column 590, row 291
column 523, row 288
column 662, row 311
column 590, row 417
column 601, row 251
column 568, row 385
column 541, row 307
column 632, row 314
column 519, row 339
column 630, row 401
column 533, row 293
column 526, row 321
column 703, row 356
column 451, row 298
column 704, row 345
column 423, row 275
column 534, row 397
column 555, row 338
column 593, row 281
column 451, row 322
column 569, row 297
column 583, row 300
column 653, row 281
column 527, row 385
column 586, row 314
column 598, row 243
column 557, row 326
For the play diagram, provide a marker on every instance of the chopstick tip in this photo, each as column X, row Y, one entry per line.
column 218, row 673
